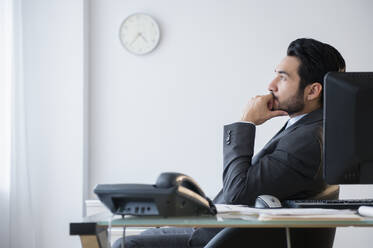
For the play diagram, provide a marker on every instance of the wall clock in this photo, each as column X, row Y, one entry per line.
column 139, row 33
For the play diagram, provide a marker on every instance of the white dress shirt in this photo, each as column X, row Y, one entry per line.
column 293, row 120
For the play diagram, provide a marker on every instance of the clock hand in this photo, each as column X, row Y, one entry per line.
column 142, row 36
column 137, row 36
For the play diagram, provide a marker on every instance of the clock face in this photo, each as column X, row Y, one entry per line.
column 139, row 34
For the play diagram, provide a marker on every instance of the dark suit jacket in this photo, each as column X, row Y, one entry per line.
column 289, row 166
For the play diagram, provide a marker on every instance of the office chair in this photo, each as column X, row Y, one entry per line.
column 276, row 237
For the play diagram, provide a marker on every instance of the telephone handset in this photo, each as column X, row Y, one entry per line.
column 171, row 179
column 173, row 194
column 187, row 188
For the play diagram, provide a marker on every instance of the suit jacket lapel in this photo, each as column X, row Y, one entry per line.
column 316, row 115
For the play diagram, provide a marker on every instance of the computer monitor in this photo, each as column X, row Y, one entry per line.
column 348, row 128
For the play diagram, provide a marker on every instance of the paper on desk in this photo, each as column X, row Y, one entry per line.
column 306, row 211
column 330, row 217
column 235, row 209
column 222, row 217
column 245, row 212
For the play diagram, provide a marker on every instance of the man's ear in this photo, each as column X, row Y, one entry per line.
column 313, row 91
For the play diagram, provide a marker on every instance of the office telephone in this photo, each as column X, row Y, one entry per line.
column 173, row 194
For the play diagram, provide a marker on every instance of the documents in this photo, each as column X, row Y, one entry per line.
column 245, row 212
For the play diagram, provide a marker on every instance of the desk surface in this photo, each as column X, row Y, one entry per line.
column 212, row 221
column 93, row 230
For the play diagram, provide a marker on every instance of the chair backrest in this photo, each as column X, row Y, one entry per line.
column 331, row 192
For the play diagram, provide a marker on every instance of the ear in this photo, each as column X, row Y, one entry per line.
column 313, row 91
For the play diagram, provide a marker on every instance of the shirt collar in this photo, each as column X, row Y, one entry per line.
column 293, row 120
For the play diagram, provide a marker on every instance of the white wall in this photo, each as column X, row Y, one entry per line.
column 165, row 111
column 54, row 81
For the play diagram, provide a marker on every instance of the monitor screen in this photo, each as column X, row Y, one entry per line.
column 348, row 128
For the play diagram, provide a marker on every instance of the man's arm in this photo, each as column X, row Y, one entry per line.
column 275, row 173
column 286, row 171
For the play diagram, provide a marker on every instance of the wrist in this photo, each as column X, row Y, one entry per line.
column 248, row 119
column 247, row 122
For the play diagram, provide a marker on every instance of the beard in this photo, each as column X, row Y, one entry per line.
column 293, row 104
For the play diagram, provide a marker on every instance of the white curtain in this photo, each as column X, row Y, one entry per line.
column 5, row 118
column 22, row 224
column 17, row 220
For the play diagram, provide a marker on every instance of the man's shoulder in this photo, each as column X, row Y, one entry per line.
column 306, row 136
column 309, row 125
column 312, row 118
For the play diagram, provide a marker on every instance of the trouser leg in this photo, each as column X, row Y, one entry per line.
column 273, row 237
column 158, row 237
column 249, row 237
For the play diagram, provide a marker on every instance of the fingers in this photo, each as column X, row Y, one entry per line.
column 268, row 96
column 265, row 97
column 268, row 99
column 258, row 109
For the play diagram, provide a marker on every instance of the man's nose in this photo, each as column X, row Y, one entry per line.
column 273, row 85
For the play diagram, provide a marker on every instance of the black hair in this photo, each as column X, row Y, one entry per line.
column 316, row 59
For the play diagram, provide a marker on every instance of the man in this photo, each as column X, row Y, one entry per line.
column 288, row 167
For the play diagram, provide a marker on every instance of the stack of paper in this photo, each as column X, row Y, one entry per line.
column 245, row 212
